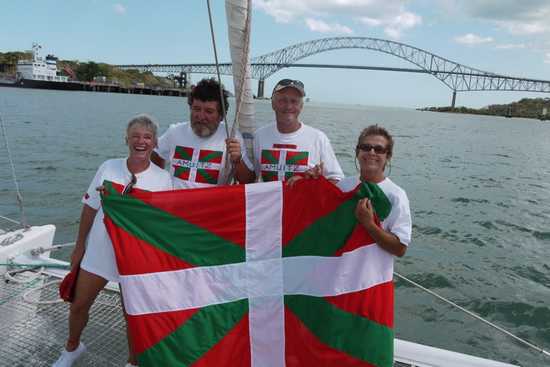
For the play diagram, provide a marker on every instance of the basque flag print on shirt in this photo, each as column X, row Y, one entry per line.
column 197, row 165
column 282, row 164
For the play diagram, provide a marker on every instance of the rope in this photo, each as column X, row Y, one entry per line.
column 217, row 65
column 26, row 296
column 10, row 220
column 13, row 296
column 14, row 176
column 33, row 266
column 9, row 277
column 472, row 314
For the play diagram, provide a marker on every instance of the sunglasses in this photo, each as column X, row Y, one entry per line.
column 289, row 82
column 130, row 185
column 378, row 149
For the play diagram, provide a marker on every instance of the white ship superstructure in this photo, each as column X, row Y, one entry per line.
column 39, row 68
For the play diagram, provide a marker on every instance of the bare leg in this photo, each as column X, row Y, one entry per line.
column 88, row 286
column 132, row 358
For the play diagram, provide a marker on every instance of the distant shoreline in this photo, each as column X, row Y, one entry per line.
column 531, row 108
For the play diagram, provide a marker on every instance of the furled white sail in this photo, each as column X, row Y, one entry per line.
column 238, row 23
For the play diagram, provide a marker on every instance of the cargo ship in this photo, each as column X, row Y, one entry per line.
column 40, row 72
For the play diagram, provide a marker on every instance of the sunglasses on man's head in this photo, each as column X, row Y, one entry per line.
column 130, row 185
column 378, row 149
column 288, row 82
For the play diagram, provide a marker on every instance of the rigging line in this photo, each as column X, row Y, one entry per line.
column 474, row 315
column 229, row 176
column 217, row 66
column 10, row 220
column 14, row 176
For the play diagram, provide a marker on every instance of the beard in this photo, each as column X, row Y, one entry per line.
column 204, row 129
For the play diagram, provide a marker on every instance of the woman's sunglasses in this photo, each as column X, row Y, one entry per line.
column 130, row 185
column 378, row 149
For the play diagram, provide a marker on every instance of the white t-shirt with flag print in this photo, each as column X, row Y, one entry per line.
column 280, row 156
column 399, row 221
column 99, row 257
column 195, row 161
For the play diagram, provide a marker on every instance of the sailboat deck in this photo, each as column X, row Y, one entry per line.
column 33, row 334
column 34, row 324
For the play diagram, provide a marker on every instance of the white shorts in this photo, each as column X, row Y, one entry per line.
column 99, row 257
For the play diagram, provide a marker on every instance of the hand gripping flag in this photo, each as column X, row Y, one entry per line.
column 253, row 275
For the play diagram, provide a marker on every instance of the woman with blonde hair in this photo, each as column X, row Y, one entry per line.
column 93, row 250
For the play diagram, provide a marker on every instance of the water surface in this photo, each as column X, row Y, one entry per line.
column 479, row 188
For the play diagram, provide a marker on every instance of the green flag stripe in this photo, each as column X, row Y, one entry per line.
column 183, row 153
column 169, row 233
column 206, row 176
column 196, row 336
column 210, row 156
column 297, row 157
column 268, row 156
column 329, row 233
column 380, row 202
column 352, row 334
column 270, row 175
column 180, row 169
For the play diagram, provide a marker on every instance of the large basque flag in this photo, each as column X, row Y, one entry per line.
column 253, row 275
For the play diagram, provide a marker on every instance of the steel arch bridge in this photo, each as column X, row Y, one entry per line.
column 458, row 77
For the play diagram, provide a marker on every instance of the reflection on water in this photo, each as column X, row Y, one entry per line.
column 479, row 188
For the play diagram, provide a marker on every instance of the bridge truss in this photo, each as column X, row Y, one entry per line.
column 458, row 77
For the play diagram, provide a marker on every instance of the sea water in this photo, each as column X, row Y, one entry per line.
column 479, row 189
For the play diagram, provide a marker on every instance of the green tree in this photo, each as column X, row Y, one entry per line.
column 87, row 71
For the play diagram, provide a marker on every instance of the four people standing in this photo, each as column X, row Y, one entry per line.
column 196, row 151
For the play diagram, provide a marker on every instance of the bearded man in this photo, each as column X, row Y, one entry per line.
column 196, row 150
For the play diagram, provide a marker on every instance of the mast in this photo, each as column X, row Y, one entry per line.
column 238, row 14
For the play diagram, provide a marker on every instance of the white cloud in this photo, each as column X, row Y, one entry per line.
column 473, row 39
column 525, row 28
column 516, row 17
column 282, row 10
column 317, row 25
column 393, row 25
column 119, row 9
column 547, row 58
column 510, row 46
column 390, row 15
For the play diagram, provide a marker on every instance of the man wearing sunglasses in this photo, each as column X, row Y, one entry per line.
column 288, row 148
column 196, row 150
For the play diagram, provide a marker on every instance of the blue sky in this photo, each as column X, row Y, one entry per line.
column 502, row 36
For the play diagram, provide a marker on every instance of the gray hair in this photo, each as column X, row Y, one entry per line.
column 145, row 121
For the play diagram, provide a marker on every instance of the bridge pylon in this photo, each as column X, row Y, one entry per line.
column 261, row 88
column 182, row 80
column 453, row 102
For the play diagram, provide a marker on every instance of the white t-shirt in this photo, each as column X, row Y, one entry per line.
column 280, row 156
column 195, row 161
column 399, row 220
column 99, row 257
